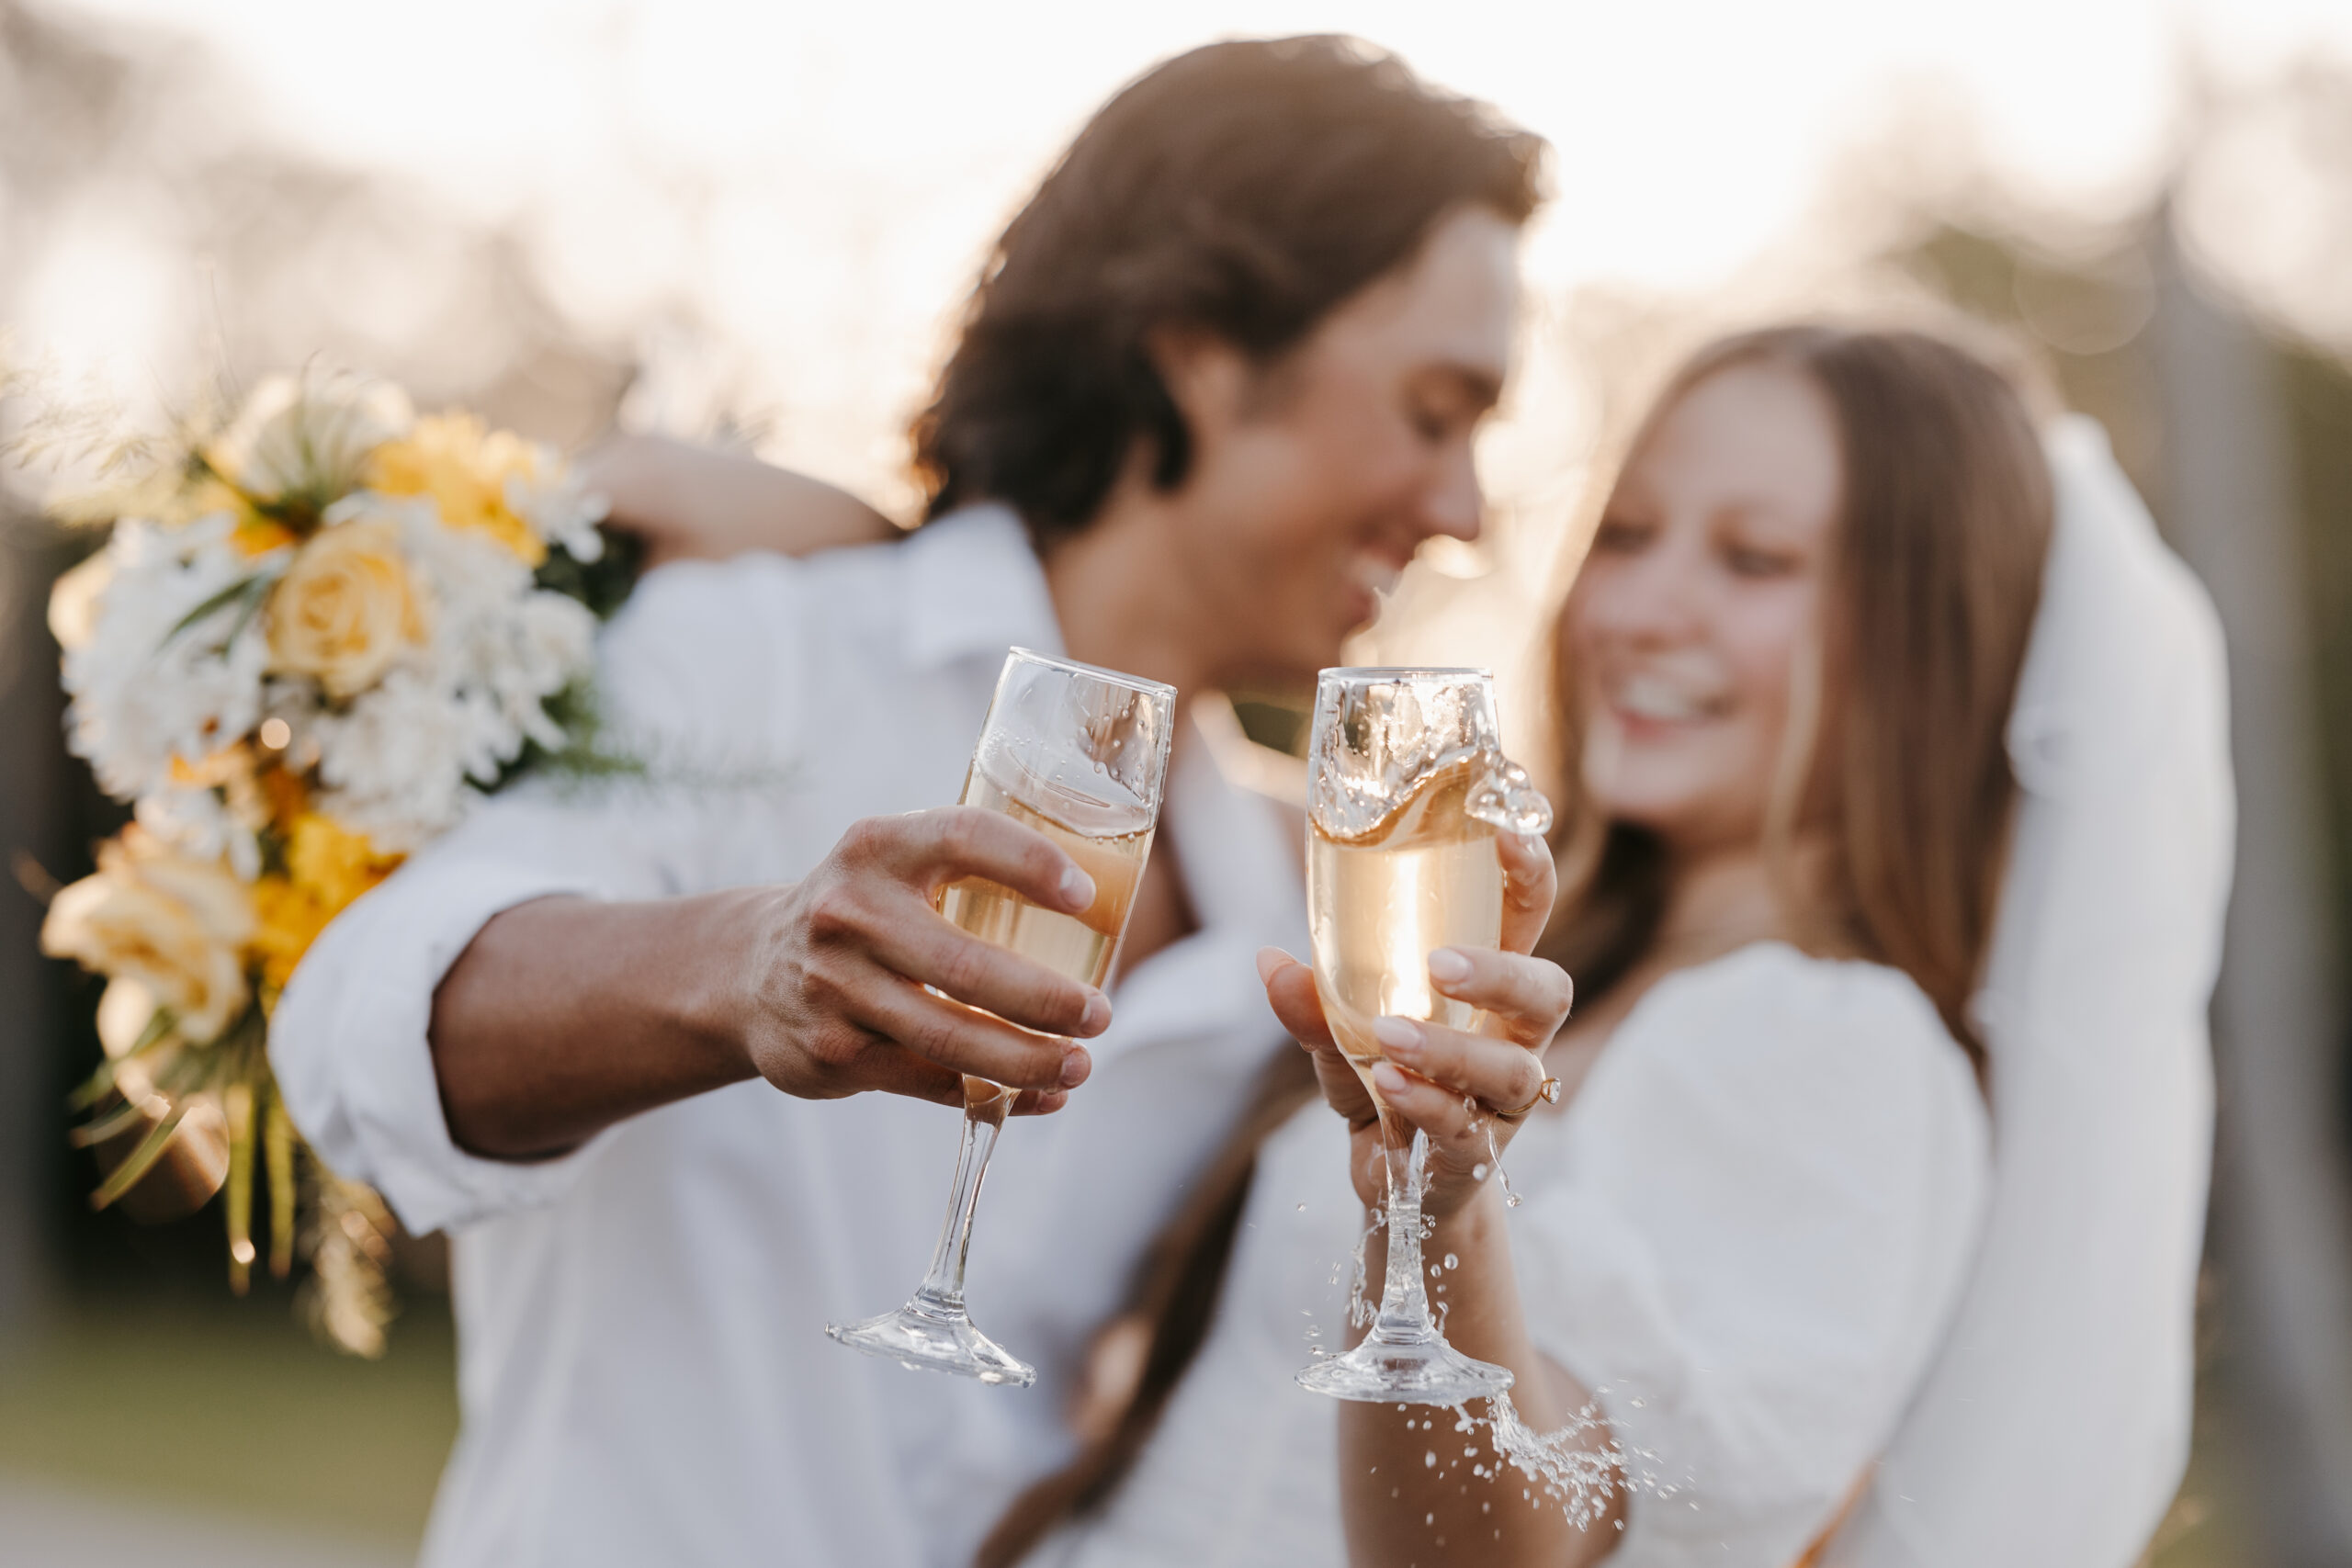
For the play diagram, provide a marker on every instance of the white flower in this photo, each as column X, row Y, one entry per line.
column 403, row 760
column 559, row 505
column 145, row 696
column 394, row 762
column 197, row 821
column 308, row 434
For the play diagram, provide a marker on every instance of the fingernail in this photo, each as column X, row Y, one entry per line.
column 1076, row 1064
column 1397, row 1033
column 1389, row 1081
column 1448, row 965
column 1097, row 1017
column 1268, row 959
column 1078, row 889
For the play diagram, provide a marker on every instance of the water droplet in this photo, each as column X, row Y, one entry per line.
column 1302, row 1208
column 1429, row 1459
column 1479, row 1171
column 1451, row 1261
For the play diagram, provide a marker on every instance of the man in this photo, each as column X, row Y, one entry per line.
column 1217, row 385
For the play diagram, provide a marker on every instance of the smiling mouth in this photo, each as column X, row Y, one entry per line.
column 1658, row 700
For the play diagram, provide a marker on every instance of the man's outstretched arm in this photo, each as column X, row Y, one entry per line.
column 565, row 1015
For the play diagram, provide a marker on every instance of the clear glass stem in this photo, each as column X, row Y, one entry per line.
column 1403, row 1295
column 942, row 1287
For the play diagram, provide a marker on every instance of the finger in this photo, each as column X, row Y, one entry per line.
column 1502, row 1077
column 1530, row 886
column 912, row 940
column 1529, row 997
column 1429, row 1107
column 949, row 842
column 891, row 1068
column 963, row 1040
column 1290, row 988
column 896, row 1070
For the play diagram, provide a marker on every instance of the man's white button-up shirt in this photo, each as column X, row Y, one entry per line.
column 643, row 1369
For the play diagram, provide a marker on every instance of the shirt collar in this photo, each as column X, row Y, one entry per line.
column 975, row 587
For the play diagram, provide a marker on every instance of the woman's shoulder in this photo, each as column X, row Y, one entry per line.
column 1773, row 1026
column 1773, row 991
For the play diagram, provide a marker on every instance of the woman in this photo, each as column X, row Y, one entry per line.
column 1786, row 669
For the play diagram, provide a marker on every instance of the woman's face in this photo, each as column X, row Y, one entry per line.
column 1698, row 600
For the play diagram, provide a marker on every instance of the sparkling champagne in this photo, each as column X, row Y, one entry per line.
column 1081, row 755
column 1082, row 946
column 1422, row 877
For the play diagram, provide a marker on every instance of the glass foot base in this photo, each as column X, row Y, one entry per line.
column 1410, row 1372
column 930, row 1337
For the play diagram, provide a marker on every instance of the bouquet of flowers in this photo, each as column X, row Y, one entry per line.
column 316, row 634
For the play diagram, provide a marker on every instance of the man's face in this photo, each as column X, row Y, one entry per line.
column 1316, row 479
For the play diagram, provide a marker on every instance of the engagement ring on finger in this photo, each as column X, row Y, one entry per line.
column 1548, row 1093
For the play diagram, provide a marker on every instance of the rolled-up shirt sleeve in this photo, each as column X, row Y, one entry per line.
column 688, row 677
column 1768, row 1206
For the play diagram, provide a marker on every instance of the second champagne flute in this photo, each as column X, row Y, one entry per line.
column 1407, row 787
column 1081, row 755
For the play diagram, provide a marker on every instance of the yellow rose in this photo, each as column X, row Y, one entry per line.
column 464, row 469
column 346, row 608
column 173, row 925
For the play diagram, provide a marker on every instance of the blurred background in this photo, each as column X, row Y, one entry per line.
column 752, row 225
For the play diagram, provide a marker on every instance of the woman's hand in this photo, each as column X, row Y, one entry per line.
column 1452, row 1085
column 691, row 502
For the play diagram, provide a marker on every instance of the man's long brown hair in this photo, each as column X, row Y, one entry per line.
column 1937, row 571
column 1244, row 189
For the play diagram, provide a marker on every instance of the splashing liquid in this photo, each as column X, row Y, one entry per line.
column 1511, row 1200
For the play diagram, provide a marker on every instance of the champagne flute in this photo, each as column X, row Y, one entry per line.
column 1079, row 754
column 1407, row 786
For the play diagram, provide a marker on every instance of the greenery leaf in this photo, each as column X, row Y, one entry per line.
column 94, row 1088
column 237, row 1104
column 142, row 1158
column 277, row 1154
column 121, row 1120
column 602, row 584
column 251, row 590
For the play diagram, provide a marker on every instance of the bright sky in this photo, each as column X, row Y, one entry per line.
column 817, row 181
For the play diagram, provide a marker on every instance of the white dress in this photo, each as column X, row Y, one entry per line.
column 1746, row 1233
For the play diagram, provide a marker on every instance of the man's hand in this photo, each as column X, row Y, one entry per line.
column 833, row 982
column 566, row 1015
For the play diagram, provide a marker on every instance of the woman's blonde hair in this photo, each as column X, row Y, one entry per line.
column 1936, row 572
